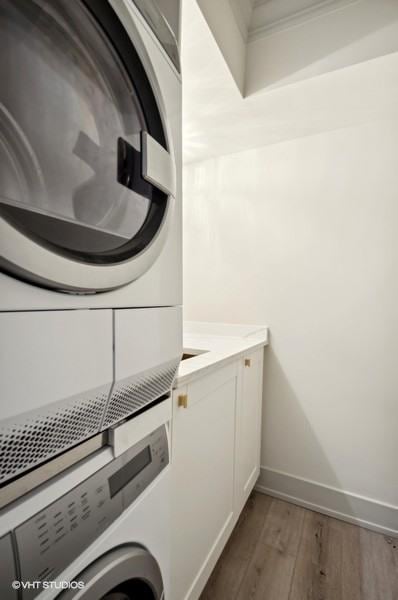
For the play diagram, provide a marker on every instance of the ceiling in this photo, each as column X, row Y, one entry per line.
column 339, row 80
column 264, row 43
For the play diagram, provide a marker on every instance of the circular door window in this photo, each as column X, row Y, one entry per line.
column 125, row 573
column 131, row 589
column 74, row 109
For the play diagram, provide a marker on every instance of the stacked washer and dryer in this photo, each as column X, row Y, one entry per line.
column 90, row 295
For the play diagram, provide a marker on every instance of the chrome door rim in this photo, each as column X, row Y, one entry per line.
column 34, row 262
column 118, row 566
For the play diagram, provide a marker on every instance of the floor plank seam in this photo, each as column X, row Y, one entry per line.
column 297, row 555
column 280, row 552
column 249, row 562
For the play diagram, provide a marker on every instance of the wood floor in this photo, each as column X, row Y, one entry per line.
column 279, row 551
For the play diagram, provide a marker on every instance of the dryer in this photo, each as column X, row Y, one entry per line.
column 90, row 155
column 90, row 220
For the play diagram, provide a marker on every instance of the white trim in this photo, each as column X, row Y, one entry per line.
column 362, row 511
column 294, row 19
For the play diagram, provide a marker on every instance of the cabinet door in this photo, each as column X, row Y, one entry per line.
column 248, row 425
column 203, row 478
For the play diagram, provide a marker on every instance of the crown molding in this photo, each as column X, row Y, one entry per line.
column 265, row 27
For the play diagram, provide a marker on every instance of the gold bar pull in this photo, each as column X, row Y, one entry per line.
column 183, row 400
column 248, row 362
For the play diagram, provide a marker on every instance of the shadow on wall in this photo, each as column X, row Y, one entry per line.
column 361, row 31
column 291, row 443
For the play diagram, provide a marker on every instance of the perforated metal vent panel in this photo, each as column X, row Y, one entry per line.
column 37, row 436
column 133, row 393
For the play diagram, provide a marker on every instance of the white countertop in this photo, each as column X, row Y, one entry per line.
column 216, row 343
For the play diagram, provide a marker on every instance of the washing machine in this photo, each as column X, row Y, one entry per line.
column 99, row 531
column 90, row 219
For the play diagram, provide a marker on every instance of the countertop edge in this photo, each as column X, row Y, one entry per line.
column 222, row 361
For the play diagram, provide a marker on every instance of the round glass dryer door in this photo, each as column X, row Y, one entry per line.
column 86, row 178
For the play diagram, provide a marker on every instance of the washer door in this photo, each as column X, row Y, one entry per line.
column 126, row 573
column 86, row 177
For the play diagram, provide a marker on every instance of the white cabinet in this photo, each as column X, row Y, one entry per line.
column 215, row 464
column 203, row 477
column 248, row 425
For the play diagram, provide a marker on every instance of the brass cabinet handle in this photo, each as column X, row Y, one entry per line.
column 182, row 400
column 248, row 362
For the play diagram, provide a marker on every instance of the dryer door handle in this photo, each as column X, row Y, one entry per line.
column 157, row 165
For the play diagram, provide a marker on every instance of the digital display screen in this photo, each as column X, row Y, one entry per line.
column 127, row 473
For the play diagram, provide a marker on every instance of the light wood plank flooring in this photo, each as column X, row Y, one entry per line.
column 279, row 551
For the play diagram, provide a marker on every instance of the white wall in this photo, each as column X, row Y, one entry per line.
column 303, row 235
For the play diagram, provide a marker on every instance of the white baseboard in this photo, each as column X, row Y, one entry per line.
column 352, row 508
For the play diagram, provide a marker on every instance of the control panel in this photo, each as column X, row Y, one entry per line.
column 50, row 540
